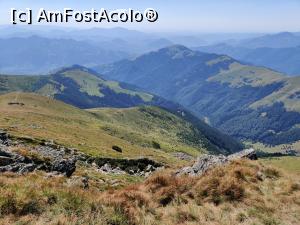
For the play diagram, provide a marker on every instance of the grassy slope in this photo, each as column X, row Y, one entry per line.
column 289, row 95
column 90, row 84
column 289, row 164
column 9, row 83
column 239, row 75
column 96, row 131
column 144, row 125
column 83, row 79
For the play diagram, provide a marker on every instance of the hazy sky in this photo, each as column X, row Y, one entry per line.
column 184, row 15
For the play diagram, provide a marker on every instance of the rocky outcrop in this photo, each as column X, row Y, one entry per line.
column 245, row 154
column 5, row 161
column 107, row 168
column 57, row 159
column 206, row 162
column 46, row 156
column 4, row 138
column 137, row 167
column 183, row 156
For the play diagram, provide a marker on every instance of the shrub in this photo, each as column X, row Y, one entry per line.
column 158, row 181
column 72, row 202
column 126, row 204
column 51, row 199
column 183, row 216
column 31, row 207
column 8, row 206
column 167, row 199
column 117, row 148
column 118, row 218
column 271, row 173
column 294, row 187
column 270, row 221
column 220, row 185
column 241, row 217
column 155, row 145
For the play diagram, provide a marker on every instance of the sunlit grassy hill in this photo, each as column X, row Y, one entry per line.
column 78, row 86
column 141, row 131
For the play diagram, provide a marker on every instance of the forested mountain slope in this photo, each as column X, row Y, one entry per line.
column 248, row 102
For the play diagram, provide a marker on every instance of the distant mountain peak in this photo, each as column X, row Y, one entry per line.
column 175, row 48
column 177, row 51
column 285, row 34
column 77, row 67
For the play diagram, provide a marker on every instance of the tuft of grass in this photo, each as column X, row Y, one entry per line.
column 8, row 205
column 156, row 145
column 241, row 217
column 183, row 216
column 271, row 172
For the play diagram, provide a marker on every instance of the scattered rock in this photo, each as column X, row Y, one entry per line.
column 4, row 138
column 114, row 183
column 77, row 181
column 147, row 174
column 137, row 167
column 53, row 174
column 183, row 156
column 3, row 151
column 20, row 168
column 260, row 176
column 27, row 168
column 150, row 168
column 206, row 162
column 4, row 161
column 107, row 168
column 85, row 182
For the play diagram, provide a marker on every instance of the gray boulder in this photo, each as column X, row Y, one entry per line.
column 183, row 156
column 206, row 162
column 27, row 168
column 4, row 138
column 245, row 154
column 4, row 161
column 65, row 166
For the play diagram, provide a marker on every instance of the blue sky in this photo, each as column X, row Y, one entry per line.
column 185, row 15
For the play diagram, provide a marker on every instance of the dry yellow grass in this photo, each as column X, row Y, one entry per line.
column 242, row 192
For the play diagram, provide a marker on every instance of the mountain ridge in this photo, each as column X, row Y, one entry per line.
column 284, row 60
column 227, row 93
column 84, row 88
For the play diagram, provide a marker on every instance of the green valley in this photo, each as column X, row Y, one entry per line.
column 248, row 102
